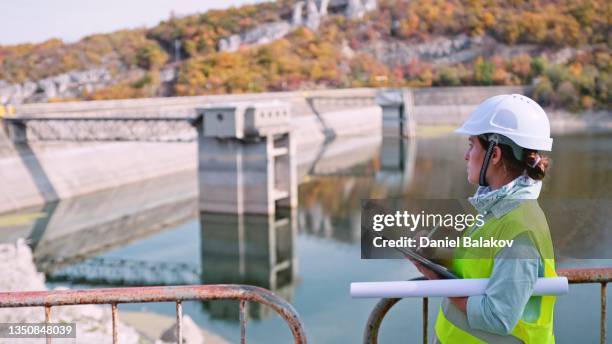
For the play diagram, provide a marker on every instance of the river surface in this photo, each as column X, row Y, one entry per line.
column 311, row 256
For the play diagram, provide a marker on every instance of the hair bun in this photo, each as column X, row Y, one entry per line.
column 537, row 164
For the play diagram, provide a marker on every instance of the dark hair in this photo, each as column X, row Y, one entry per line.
column 517, row 167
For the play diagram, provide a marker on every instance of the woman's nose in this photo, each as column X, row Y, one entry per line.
column 466, row 156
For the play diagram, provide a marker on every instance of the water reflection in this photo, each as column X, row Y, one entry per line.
column 575, row 194
column 248, row 249
column 157, row 223
column 329, row 198
column 397, row 164
column 75, row 230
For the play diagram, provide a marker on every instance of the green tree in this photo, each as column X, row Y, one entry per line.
column 538, row 65
column 483, row 71
column 151, row 56
column 448, row 76
column 543, row 91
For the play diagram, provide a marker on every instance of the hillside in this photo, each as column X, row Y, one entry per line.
column 561, row 47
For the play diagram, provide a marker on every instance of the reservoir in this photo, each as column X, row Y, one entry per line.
column 313, row 264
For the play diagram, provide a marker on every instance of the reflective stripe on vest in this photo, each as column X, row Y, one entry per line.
column 454, row 315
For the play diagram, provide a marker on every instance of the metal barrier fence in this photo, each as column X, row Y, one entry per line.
column 178, row 294
column 574, row 276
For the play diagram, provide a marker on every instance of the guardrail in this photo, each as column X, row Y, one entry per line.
column 574, row 276
column 143, row 128
column 178, row 294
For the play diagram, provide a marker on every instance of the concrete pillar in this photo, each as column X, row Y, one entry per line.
column 398, row 112
column 17, row 130
column 398, row 149
column 397, row 164
column 246, row 159
column 285, row 170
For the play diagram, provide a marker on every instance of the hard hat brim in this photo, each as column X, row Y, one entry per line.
column 535, row 143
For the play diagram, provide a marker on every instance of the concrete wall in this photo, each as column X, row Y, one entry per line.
column 35, row 175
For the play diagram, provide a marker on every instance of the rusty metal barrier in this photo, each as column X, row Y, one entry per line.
column 178, row 294
column 574, row 276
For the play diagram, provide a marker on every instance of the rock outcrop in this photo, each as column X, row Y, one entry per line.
column 356, row 9
column 440, row 50
column 68, row 85
column 307, row 13
column 262, row 34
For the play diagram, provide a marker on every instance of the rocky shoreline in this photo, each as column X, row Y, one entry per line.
column 93, row 322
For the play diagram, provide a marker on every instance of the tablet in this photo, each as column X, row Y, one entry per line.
column 441, row 270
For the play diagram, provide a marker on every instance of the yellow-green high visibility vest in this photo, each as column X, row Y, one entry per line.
column 478, row 263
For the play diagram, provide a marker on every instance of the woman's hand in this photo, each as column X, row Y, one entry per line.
column 430, row 274
column 459, row 302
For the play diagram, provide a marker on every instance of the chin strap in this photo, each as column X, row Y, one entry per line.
column 493, row 141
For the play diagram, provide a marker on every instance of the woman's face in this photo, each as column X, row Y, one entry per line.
column 474, row 157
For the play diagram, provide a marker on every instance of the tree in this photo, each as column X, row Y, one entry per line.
column 448, row 76
column 151, row 56
column 567, row 96
column 521, row 67
column 543, row 91
column 483, row 71
column 538, row 65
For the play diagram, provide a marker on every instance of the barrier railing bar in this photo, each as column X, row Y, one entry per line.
column 114, row 316
column 574, row 276
column 243, row 321
column 47, row 320
column 179, row 322
column 115, row 296
column 425, row 318
column 602, row 317
column 22, row 119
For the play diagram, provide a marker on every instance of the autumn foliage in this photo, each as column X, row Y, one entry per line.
column 340, row 53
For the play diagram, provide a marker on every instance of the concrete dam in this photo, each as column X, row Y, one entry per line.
column 64, row 155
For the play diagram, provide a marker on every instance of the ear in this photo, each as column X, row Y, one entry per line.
column 496, row 158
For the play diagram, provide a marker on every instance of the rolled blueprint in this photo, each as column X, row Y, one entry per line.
column 446, row 287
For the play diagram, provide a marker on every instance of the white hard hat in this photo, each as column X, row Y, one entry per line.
column 514, row 116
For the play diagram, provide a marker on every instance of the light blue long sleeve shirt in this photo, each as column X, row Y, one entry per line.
column 507, row 296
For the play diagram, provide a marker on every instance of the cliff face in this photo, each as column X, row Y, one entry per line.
column 290, row 45
column 303, row 14
column 66, row 85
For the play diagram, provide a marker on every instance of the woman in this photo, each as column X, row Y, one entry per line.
column 506, row 135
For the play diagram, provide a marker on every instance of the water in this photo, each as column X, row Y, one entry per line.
column 311, row 258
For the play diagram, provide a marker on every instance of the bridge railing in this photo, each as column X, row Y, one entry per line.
column 117, row 271
column 177, row 294
column 143, row 128
column 574, row 276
